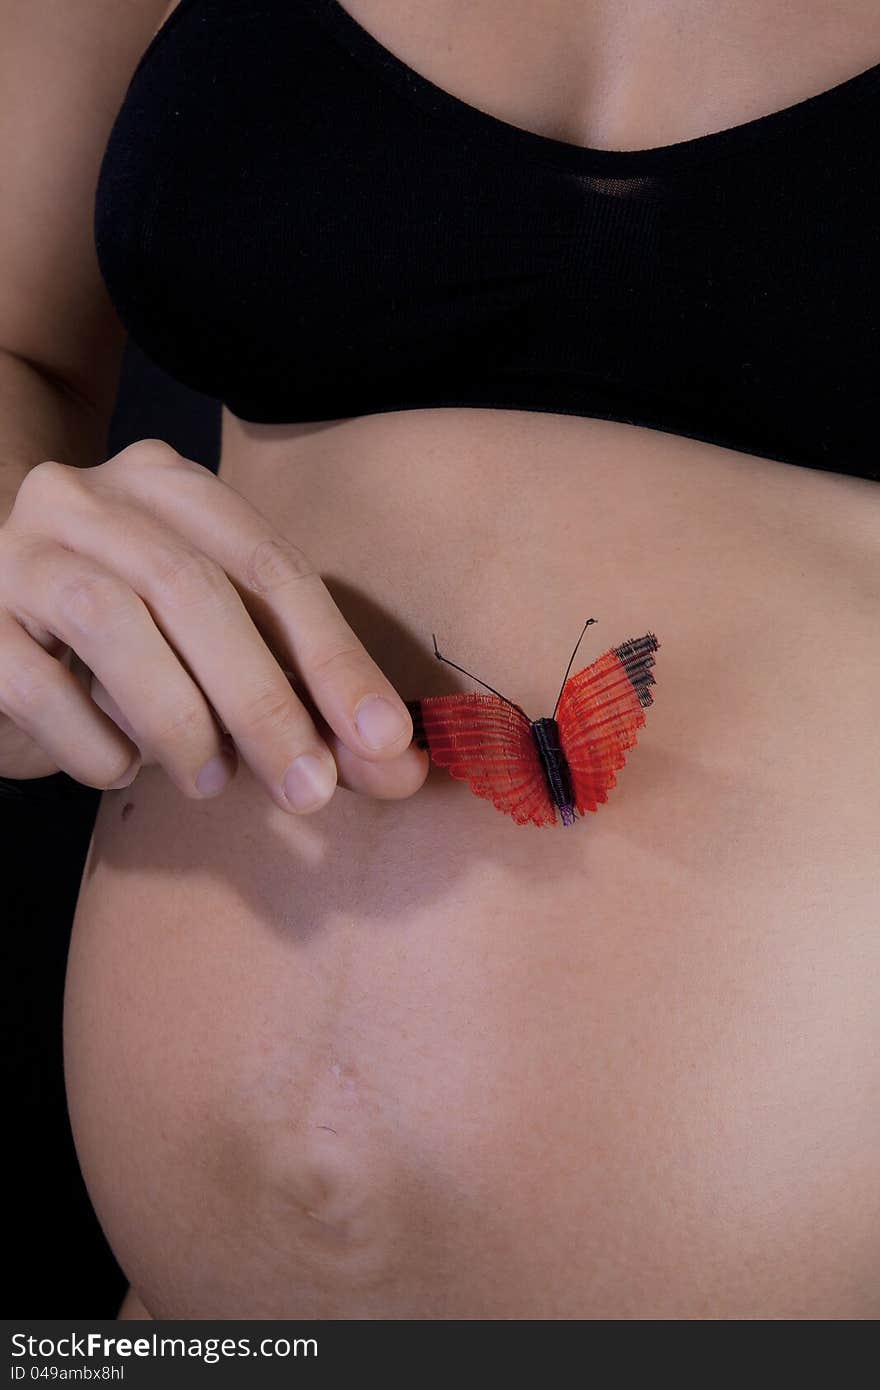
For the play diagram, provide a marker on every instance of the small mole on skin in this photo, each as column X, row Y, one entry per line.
column 127, row 809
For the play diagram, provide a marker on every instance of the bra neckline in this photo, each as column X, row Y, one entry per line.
column 522, row 142
column 519, row 142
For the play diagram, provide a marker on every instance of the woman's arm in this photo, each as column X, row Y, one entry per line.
column 63, row 74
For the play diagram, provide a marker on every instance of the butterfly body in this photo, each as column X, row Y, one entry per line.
column 530, row 769
column 545, row 732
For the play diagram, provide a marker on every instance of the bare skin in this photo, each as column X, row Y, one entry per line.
column 131, row 1309
column 403, row 1059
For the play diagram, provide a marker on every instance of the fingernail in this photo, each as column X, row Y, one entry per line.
column 214, row 775
column 127, row 778
column 379, row 723
column 308, row 782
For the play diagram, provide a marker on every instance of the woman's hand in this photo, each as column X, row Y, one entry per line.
column 129, row 599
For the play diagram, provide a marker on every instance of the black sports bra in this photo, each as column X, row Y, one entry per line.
column 292, row 220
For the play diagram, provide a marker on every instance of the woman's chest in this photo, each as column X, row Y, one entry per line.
column 632, row 76
column 722, row 290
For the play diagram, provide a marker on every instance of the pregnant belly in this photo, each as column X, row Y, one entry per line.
column 411, row 1060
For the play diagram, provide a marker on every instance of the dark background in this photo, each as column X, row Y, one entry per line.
column 58, row 1264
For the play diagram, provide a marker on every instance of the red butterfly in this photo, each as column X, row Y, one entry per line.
column 530, row 767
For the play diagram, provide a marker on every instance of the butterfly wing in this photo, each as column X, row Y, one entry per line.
column 488, row 744
column 600, row 711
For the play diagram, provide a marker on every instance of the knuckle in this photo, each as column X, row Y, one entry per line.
column 155, row 453
column 324, row 667
column 180, row 577
column 27, row 691
column 271, row 709
column 52, row 487
column 43, row 478
column 92, row 602
column 46, row 470
column 274, row 562
column 186, row 724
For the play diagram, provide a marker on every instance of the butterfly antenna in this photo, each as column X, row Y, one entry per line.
column 568, row 668
column 477, row 679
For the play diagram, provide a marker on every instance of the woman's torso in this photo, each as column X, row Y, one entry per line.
column 404, row 1060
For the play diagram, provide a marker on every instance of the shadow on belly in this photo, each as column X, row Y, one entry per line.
column 382, row 860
